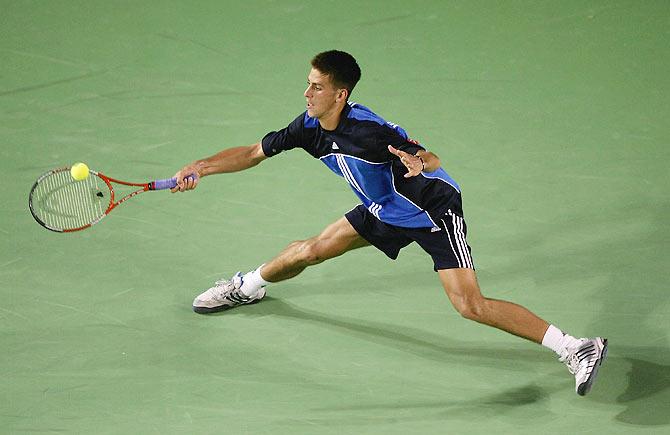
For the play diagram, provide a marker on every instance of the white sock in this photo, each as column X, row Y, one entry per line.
column 558, row 341
column 253, row 281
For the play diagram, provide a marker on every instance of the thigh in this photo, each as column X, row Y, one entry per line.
column 461, row 285
column 338, row 238
column 387, row 238
column 446, row 243
column 459, row 281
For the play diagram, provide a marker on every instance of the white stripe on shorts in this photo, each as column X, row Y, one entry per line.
column 460, row 240
column 461, row 251
column 458, row 258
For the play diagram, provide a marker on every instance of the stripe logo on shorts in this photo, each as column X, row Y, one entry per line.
column 457, row 241
column 375, row 209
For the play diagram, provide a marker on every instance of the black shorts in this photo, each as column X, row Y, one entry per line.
column 445, row 243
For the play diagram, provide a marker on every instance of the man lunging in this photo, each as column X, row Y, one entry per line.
column 406, row 196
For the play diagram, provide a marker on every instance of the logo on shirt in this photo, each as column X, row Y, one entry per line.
column 435, row 229
column 335, row 147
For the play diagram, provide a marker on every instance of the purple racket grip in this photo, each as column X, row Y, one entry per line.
column 167, row 183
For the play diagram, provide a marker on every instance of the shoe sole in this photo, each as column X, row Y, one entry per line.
column 585, row 387
column 210, row 310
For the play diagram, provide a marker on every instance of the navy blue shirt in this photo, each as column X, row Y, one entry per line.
column 358, row 151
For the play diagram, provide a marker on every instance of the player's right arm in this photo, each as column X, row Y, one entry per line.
column 241, row 158
column 228, row 160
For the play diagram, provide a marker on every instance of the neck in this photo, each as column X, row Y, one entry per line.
column 330, row 121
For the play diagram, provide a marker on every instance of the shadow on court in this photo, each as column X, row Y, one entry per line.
column 415, row 341
column 433, row 347
column 646, row 383
column 627, row 257
column 634, row 378
column 646, row 397
column 521, row 396
column 488, row 406
column 647, row 392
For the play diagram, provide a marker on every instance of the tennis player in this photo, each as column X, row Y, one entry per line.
column 406, row 196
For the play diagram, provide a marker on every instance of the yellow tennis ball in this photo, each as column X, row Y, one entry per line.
column 79, row 171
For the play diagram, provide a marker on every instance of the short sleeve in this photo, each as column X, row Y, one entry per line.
column 396, row 136
column 285, row 139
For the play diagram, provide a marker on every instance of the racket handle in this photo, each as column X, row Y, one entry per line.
column 167, row 183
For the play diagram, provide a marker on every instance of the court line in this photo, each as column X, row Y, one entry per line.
column 15, row 313
column 123, row 292
column 130, row 218
column 43, row 57
column 75, row 309
column 385, row 20
column 16, row 260
column 182, row 95
column 51, row 83
column 151, row 147
column 254, row 205
column 191, row 41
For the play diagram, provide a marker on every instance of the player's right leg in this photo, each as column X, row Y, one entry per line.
column 335, row 240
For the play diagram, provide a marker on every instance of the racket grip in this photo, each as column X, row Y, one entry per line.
column 167, row 183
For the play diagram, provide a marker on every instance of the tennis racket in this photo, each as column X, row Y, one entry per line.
column 60, row 203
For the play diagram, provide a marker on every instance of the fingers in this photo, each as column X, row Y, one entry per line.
column 396, row 152
column 180, row 181
column 412, row 173
column 187, row 179
column 189, row 182
column 413, row 163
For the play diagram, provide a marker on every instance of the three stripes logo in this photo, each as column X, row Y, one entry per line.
column 587, row 353
column 237, row 297
column 457, row 240
column 375, row 209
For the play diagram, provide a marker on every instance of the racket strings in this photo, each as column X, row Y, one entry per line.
column 63, row 203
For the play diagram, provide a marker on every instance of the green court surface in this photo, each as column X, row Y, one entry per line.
column 552, row 116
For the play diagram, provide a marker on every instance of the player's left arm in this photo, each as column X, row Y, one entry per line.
column 422, row 161
column 431, row 162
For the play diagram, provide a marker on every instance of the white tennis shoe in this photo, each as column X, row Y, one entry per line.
column 584, row 360
column 224, row 295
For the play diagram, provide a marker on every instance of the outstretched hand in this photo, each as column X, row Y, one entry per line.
column 414, row 164
column 187, row 179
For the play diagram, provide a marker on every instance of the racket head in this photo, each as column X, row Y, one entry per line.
column 60, row 203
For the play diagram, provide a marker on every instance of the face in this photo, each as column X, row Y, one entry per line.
column 323, row 98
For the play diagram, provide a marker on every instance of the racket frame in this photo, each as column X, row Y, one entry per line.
column 112, row 204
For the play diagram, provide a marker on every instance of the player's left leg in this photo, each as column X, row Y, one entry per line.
column 582, row 356
column 463, row 290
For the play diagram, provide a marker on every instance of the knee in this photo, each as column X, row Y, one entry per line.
column 307, row 252
column 471, row 308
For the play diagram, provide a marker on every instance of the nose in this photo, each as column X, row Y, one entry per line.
column 308, row 92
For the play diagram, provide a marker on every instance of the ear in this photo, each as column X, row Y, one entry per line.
column 342, row 94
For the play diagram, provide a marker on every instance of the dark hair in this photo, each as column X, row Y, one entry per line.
column 340, row 66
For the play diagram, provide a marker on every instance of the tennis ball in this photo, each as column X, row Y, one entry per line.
column 79, row 171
